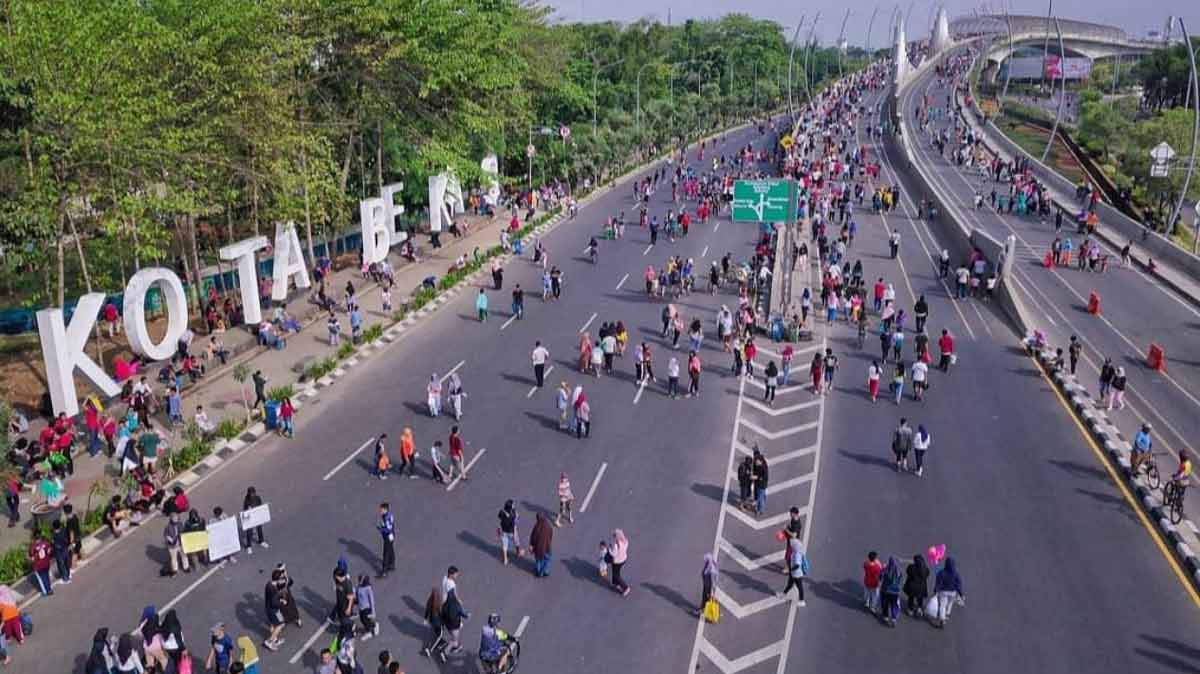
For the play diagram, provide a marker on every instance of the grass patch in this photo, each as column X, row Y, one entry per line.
column 372, row 333
column 280, row 392
column 345, row 351
column 230, row 428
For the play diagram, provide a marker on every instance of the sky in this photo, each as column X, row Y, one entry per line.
column 1136, row 18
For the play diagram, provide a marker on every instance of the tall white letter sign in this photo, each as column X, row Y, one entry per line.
column 289, row 261
column 243, row 252
column 62, row 350
column 175, row 303
column 378, row 219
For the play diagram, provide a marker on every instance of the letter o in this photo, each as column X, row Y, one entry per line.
column 135, row 312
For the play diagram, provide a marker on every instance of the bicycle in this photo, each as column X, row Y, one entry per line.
column 1150, row 467
column 1173, row 500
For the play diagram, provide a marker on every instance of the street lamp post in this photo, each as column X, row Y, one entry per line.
column 1191, row 167
column 791, row 62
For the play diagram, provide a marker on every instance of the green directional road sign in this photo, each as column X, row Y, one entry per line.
column 771, row 200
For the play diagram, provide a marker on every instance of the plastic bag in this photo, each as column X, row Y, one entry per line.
column 712, row 611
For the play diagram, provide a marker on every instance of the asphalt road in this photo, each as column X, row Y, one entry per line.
column 662, row 460
column 1060, row 572
column 1135, row 310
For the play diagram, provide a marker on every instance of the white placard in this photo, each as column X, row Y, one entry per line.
column 256, row 516
column 223, row 538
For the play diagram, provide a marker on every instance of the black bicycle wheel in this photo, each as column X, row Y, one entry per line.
column 1176, row 510
column 514, row 656
column 1152, row 477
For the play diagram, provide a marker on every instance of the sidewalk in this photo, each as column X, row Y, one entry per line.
column 221, row 395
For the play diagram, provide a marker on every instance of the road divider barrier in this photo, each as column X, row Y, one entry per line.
column 1182, row 539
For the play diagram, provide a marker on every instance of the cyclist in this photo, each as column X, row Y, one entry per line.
column 1141, row 448
column 1182, row 473
column 493, row 644
column 593, row 246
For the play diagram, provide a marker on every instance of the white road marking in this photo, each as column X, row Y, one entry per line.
column 534, row 389
column 470, row 465
column 589, row 322
column 348, row 459
column 647, row 251
column 779, row 411
column 452, row 371
column 592, row 490
column 704, row 253
column 321, row 629
column 641, row 387
column 188, row 590
column 621, row 282
column 509, row 321
column 716, row 227
column 521, row 627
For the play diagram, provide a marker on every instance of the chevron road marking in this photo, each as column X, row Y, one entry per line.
column 780, row 411
column 760, row 523
column 795, row 352
column 727, row 666
column 788, row 484
column 750, row 609
column 779, row 434
column 779, row 390
column 776, row 458
column 745, row 561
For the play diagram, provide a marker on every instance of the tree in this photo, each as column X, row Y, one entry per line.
column 1101, row 126
column 1173, row 127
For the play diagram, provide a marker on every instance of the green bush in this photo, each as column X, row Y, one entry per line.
column 322, row 368
column 280, row 392
column 191, row 454
column 14, row 565
column 229, row 429
column 372, row 333
column 345, row 350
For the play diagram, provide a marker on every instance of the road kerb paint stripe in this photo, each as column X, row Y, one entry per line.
column 534, row 389
column 592, row 490
column 470, row 465
column 347, row 460
column 621, row 282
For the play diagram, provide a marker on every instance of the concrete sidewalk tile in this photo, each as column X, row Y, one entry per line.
column 256, row 430
column 1184, row 550
column 187, row 478
column 324, row 381
column 236, row 444
column 212, row 460
column 89, row 544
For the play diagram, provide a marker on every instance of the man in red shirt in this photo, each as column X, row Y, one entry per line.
column 872, row 572
column 40, row 555
column 456, row 454
column 946, row 345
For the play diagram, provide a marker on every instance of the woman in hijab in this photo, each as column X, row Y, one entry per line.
column 916, row 586
column 889, row 592
column 708, row 580
column 947, row 587
column 291, row 612
column 172, row 634
column 128, row 659
column 619, row 549
column 102, row 659
column 539, row 540
column 433, row 395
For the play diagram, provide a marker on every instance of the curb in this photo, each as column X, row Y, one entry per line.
column 1184, row 538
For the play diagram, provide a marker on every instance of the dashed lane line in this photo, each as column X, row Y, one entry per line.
column 587, row 500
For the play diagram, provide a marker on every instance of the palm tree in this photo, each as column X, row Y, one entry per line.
column 241, row 373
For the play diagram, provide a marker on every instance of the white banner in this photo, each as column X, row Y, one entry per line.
column 223, row 539
column 256, row 517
